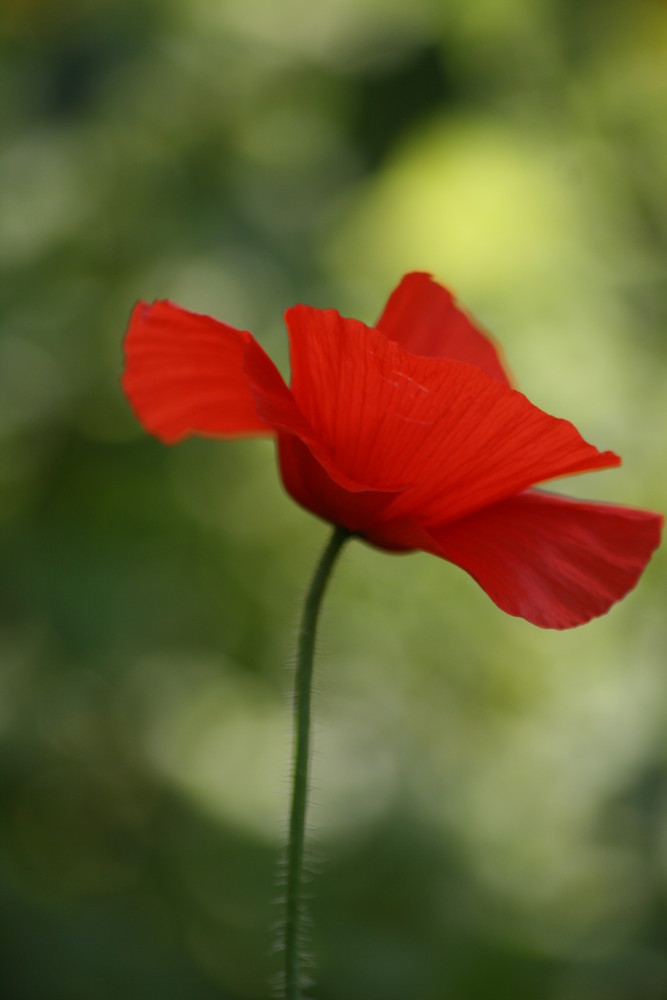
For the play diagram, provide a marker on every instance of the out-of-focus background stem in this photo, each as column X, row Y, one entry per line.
column 490, row 801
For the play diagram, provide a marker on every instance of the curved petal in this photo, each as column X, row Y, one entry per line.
column 184, row 374
column 276, row 405
column 442, row 434
column 554, row 561
column 423, row 318
column 399, row 534
column 308, row 482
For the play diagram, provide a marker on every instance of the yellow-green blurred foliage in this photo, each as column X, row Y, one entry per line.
column 490, row 800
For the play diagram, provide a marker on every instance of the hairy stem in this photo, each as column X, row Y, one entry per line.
column 302, row 700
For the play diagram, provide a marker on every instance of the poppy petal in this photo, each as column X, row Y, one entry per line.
column 275, row 404
column 423, row 318
column 494, row 445
column 184, row 374
column 308, row 482
column 443, row 434
column 554, row 561
column 337, row 385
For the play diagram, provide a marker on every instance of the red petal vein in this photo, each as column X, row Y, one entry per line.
column 555, row 561
column 423, row 318
column 184, row 374
column 447, row 435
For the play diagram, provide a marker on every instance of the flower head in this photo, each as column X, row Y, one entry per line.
column 408, row 434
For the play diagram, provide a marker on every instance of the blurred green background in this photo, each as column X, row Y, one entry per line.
column 490, row 800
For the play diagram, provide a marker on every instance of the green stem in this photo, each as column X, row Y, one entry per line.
column 297, row 830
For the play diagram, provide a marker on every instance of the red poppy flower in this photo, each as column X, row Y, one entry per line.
column 407, row 433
